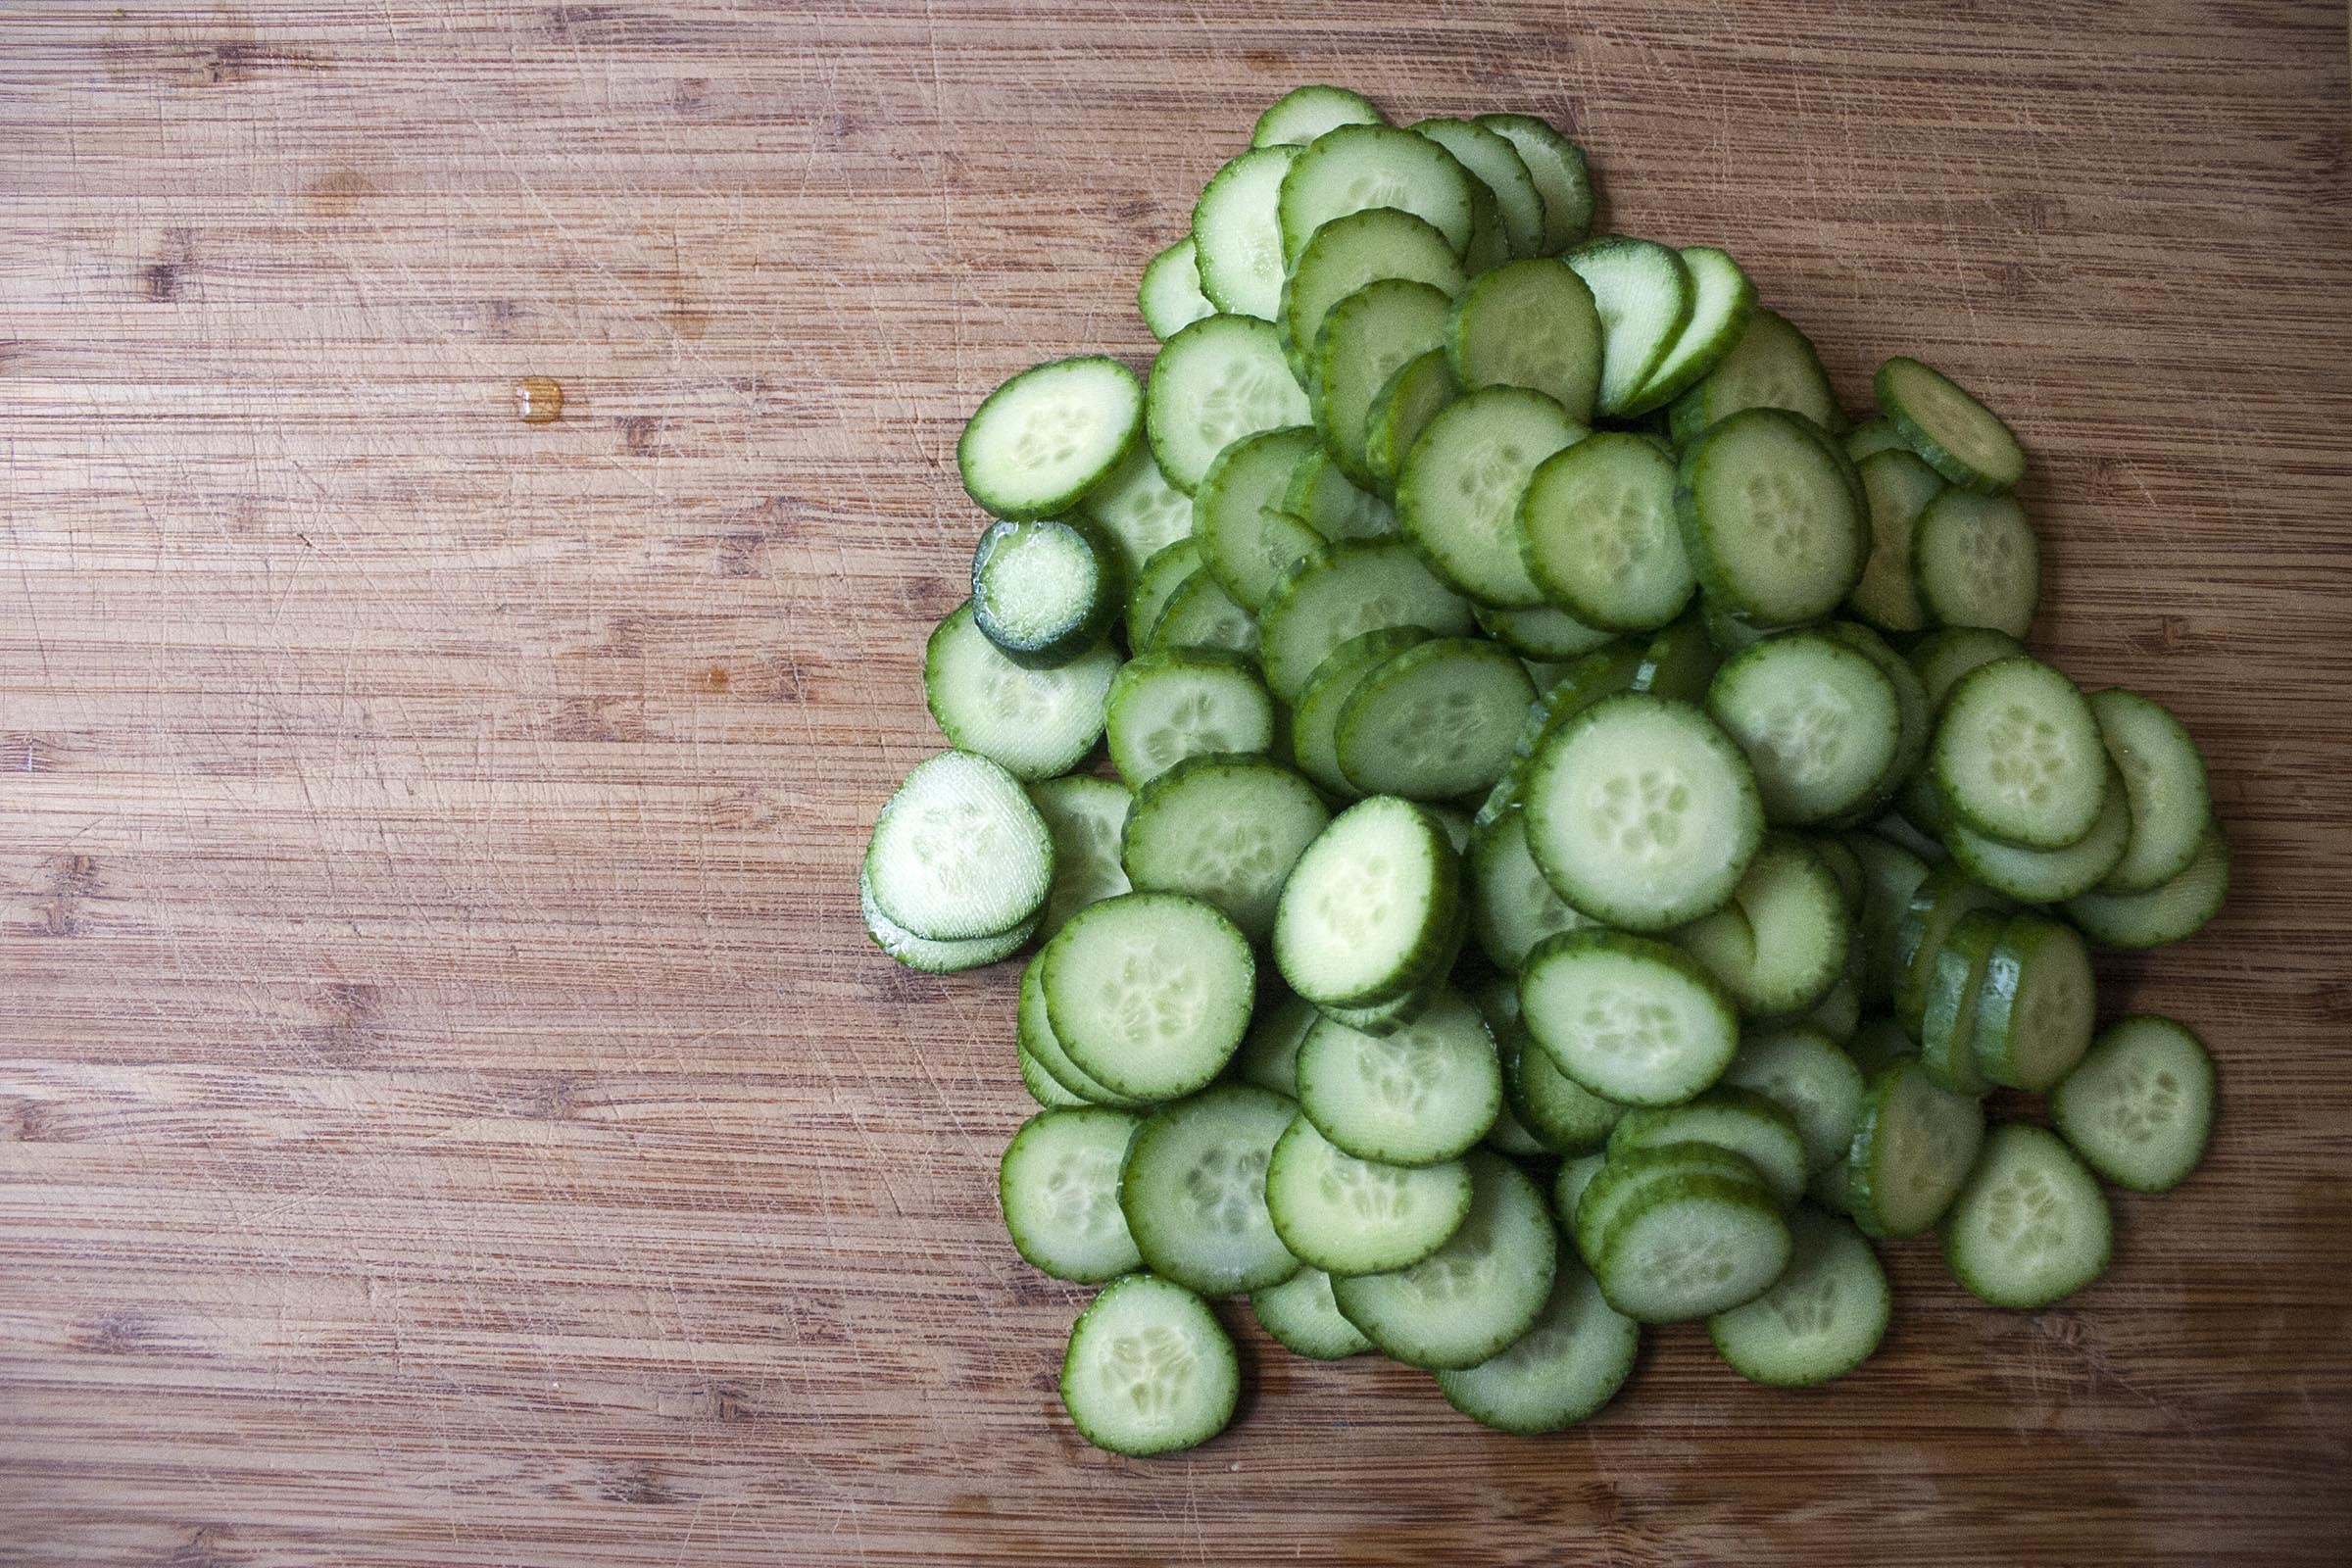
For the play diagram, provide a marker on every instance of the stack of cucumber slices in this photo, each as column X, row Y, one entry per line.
column 1583, row 839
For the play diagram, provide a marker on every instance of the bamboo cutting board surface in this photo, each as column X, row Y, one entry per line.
column 448, row 1111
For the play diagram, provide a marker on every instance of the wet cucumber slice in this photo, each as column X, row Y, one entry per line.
column 1346, row 1215
column 1059, row 1187
column 1149, row 992
column 1150, row 1369
column 1473, row 1297
column 1049, row 435
column 1193, row 1187
column 1219, row 380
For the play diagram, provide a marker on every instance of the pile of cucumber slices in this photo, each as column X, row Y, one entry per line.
column 1583, row 836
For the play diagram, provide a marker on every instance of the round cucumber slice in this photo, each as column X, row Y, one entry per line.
column 2141, row 1104
column 1822, row 1318
column 1347, row 1215
column 1301, row 1314
column 1477, row 1293
column 1149, row 992
column 958, row 852
column 1046, row 437
column 2032, row 1226
column 1058, row 1185
column 1193, row 1187
column 1422, row 1095
column 1633, row 1021
column 1150, row 1369
column 1564, row 1368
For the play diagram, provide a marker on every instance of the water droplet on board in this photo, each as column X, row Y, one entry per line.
column 539, row 400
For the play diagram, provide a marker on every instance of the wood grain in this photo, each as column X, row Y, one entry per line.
column 447, row 1113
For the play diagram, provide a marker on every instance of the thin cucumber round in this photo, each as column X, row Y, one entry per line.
column 1684, row 1250
column 1246, row 542
column 1569, row 1187
column 1633, row 1021
column 1349, row 253
column 1975, row 561
column 1399, row 410
column 2017, row 756
column 1302, row 113
column 1873, row 436
column 1224, row 829
column 1644, row 295
column 1219, row 380
column 1346, row 1215
column 1569, row 1363
column 1899, row 488
column 2139, row 1107
column 1806, row 1073
column 1034, row 724
column 1617, row 1188
column 1475, row 1294
column 1356, row 168
column 1138, row 510
column 1044, row 590
column 1058, row 1185
column 958, row 852
column 1170, row 297
column 1192, row 1187
column 1171, row 703
column 1237, row 238
column 1912, row 1150
column 2045, row 876
column 1365, row 339
column 1343, row 591
column 1822, row 1318
column 1773, row 366
column 1418, row 1097
column 2164, row 785
column 1890, row 875
column 1491, row 159
column 1745, row 1122
column 1202, row 615
column 1563, row 1115
column 1149, row 992
column 2172, row 911
column 1513, row 906
column 1315, row 714
column 1302, row 1316
column 1557, row 166
column 1544, row 634
column 1435, row 722
column 1509, row 1136
column 1720, row 300
column 1955, row 434
column 1034, row 1032
column 1530, row 324
column 1322, row 496
column 1939, row 902
column 1948, row 1019
column 1049, row 435
column 2034, row 1015
column 1084, row 818
column 934, row 957
column 1457, row 497
column 1944, row 656
column 1044, row 1086
column 1370, row 908
column 1768, row 520
column 1156, row 585
column 1819, row 722
column 1598, row 535
column 1779, row 944
column 1642, row 812
column 2032, row 1226
column 1150, row 1369
column 1915, row 717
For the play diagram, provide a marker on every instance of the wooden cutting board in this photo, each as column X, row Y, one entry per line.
column 448, row 1111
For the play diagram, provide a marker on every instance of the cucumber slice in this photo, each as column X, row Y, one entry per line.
column 1685, row 1249
column 1644, row 295
column 1955, row 434
column 1315, row 716
column 1034, row 1033
column 1150, row 1369
column 1544, row 634
column 1400, row 409
column 1942, row 657
column 1156, row 585
column 1302, row 113
column 1740, row 1120
column 934, row 957
column 1939, row 902
column 1370, row 908
column 1599, row 534
column 1948, row 1019
column 2017, row 756
column 1305, row 1320
column 1899, row 488
column 1169, row 296
column 1201, row 616
column 1269, row 1053
column 1349, row 254
column 1058, row 1185
column 1805, row 1072
column 1633, row 1021
column 1818, row 721
column 1513, row 906
column 1044, row 1086
column 1890, row 875
column 1721, row 301
column 1557, row 166
column 2034, row 1016
column 1563, row 1115
column 1246, row 542
column 1915, row 717
column 1348, row 1217
column 1034, row 724
column 1419, row 1096
column 1193, row 1191
column 1149, row 993
column 1912, row 1151
column 1044, row 591
column 1237, row 238
column 1219, row 380
column 1822, row 1318
column 1343, row 591
column 1225, row 830
column 1138, row 510
column 1768, row 520
column 1356, row 168
column 2172, row 911
column 1773, row 366
column 2139, row 1107
column 1778, row 946
column 1365, row 339
column 1532, row 325
column 1049, row 435
column 1322, row 496
column 2045, row 876
column 1843, row 864
column 2164, row 785
column 1873, row 436
column 1564, row 1368
column 1617, row 1188
column 1475, row 1294
column 958, row 852
column 1642, row 812
column 1575, row 1176
column 1435, row 722
column 1494, row 162
column 1458, row 495
column 1168, row 705
column 2032, row 1226
column 1974, row 562
column 1084, row 818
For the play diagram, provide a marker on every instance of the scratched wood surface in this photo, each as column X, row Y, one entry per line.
column 447, row 1113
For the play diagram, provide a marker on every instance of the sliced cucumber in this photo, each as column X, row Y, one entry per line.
column 1513, row 906
column 1939, row 903
column 1779, row 944
column 1948, row 1018
column 2139, row 1107
column 1435, row 722
column 1346, row 1215
column 958, row 852
column 1248, row 543
column 1958, row 437
column 1629, row 1019
column 1898, row 487
column 1315, row 716
column 1720, row 300
column 2017, row 756
column 1418, row 1097
column 2164, row 785
column 1890, row 875
column 1355, row 169
column 1773, row 366
column 1302, row 1316
column 2034, row 1017
column 1269, row 1053
column 1349, row 253
column 1680, row 661
column 1458, row 497
column 1219, row 380
column 1544, row 634
column 1237, row 238
column 1156, row 585
column 1045, row 590
column 1873, row 436
column 1557, row 166
column 1224, row 829
column 1034, row 724
column 1564, row 1368
column 1532, row 325
column 1193, row 1187
column 1150, row 1369
column 1494, row 162
column 2032, row 1226
column 1365, row 339
column 1563, row 1115
column 1049, row 435
column 1202, row 615
column 1399, row 411
column 1169, row 704
column 1322, row 496
column 1470, row 1298
column 1084, row 818
column 1644, row 295
column 1170, row 295
column 1822, row 1318
column 934, row 957
column 1818, row 721
column 1768, row 520
column 2045, row 876
column 1149, row 993
column 1747, row 1123
column 1044, row 1086
column 1302, row 113
column 1343, row 591
column 1805, row 1072
column 1370, row 908
column 1058, row 1185
column 1138, row 510
column 1599, row 534
column 1690, row 1246
column 2171, row 912
column 1034, row 1033
column 1912, row 1151
column 1942, row 657
column 1974, row 562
